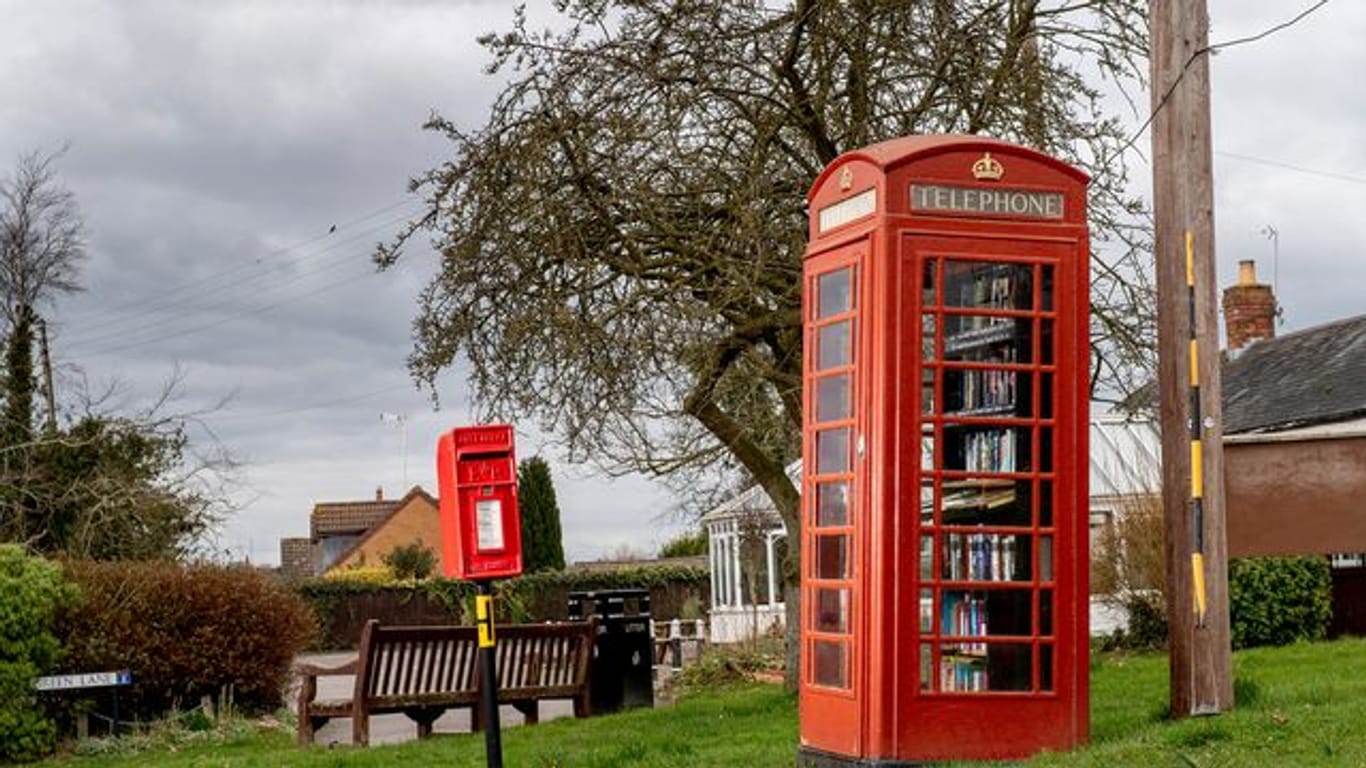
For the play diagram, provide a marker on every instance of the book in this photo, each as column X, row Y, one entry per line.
column 980, row 556
column 990, row 450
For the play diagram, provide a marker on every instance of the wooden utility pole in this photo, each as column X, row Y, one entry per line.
column 1188, row 361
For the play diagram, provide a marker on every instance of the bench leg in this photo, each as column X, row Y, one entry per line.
column 309, row 729
column 424, row 717
column 530, row 711
column 306, row 728
column 476, row 719
column 360, row 728
column 583, row 707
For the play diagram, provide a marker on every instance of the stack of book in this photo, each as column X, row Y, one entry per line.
column 987, row 390
column 980, row 556
column 965, row 615
column 961, row 676
column 992, row 288
column 991, row 450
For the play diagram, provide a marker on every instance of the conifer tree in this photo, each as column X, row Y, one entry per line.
column 542, row 548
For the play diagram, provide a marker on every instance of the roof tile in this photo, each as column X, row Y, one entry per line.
column 1313, row 376
column 331, row 518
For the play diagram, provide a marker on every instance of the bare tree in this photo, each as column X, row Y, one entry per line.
column 1129, row 568
column 752, row 528
column 42, row 245
column 621, row 240
column 42, row 236
column 108, row 482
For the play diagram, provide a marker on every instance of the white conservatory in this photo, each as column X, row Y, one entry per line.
column 746, row 541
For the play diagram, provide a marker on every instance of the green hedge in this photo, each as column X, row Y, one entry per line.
column 342, row 606
column 186, row 632
column 1279, row 600
column 32, row 591
column 1272, row 601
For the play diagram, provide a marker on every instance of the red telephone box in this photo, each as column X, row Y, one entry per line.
column 944, row 485
column 481, row 529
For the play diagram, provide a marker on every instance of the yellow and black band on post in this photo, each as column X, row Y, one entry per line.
column 483, row 614
column 1197, row 502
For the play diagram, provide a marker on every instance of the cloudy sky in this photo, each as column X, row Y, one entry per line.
column 214, row 145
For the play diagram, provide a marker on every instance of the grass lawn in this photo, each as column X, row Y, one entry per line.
column 1299, row 706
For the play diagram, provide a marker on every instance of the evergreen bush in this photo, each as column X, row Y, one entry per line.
column 186, row 632
column 411, row 562
column 690, row 544
column 32, row 591
column 542, row 545
column 1279, row 600
column 1272, row 601
column 1147, row 627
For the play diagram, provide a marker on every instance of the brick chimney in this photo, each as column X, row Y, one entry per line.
column 1249, row 309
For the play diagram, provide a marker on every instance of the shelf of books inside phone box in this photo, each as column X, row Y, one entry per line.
column 986, row 527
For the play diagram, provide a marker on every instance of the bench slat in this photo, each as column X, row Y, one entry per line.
column 437, row 658
column 412, row 656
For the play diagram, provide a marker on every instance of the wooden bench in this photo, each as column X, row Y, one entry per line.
column 424, row 671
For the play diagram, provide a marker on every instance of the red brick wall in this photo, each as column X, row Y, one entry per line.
column 1249, row 314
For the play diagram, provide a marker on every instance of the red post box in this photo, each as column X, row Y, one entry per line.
column 944, row 484
column 481, row 529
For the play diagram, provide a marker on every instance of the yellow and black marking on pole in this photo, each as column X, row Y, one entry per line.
column 488, row 674
column 483, row 614
column 1197, row 503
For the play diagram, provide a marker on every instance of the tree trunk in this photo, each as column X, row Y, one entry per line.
column 792, row 635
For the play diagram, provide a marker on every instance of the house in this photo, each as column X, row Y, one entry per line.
column 296, row 558
column 413, row 519
column 1295, row 442
column 1126, row 468
column 1294, row 435
column 344, row 534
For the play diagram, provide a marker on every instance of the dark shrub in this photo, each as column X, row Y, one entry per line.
column 1279, row 600
column 186, row 632
column 1272, row 601
column 411, row 562
column 32, row 591
column 1147, row 629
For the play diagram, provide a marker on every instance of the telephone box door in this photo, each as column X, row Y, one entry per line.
column 834, row 506
column 996, row 532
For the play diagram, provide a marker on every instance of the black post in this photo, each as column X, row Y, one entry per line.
column 488, row 670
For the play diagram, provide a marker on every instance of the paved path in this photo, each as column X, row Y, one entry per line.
column 390, row 729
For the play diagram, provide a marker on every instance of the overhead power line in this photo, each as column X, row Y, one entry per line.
column 232, row 317
column 113, row 330
column 1293, row 167
column 343, row 400
column 257, row 260
column 1269, row 31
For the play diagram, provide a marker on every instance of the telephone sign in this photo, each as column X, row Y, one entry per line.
column 476, row 470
